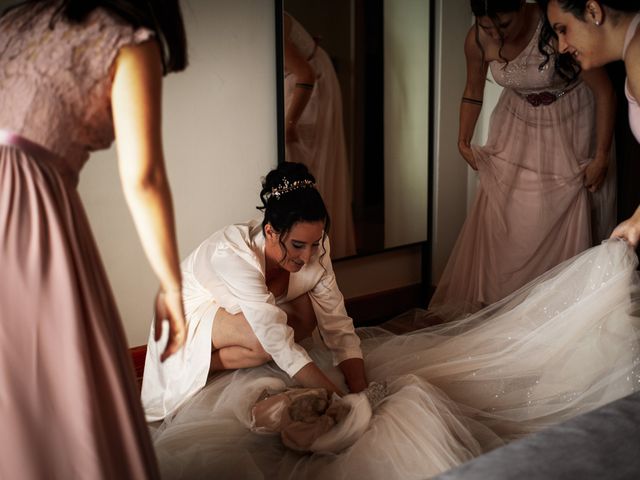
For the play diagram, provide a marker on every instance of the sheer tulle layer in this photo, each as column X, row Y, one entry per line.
column 560, row 346
column 532, row 211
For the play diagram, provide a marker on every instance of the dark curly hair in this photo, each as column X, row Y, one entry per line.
column 566, row 66
column 164, row 17
column 302, row 204
column 491, row 9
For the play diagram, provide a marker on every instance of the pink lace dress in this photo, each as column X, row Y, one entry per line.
column 532, row 210
column 69, row 405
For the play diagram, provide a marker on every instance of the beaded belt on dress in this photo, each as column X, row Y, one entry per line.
column 545, row 98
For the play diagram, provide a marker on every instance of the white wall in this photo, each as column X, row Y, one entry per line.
column 220, row 138
column 452, row 20
column 406, row 121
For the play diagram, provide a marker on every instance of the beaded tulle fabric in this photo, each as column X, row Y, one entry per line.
column 562, row 345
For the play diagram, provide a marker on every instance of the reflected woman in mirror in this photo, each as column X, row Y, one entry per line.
column 596, row 33
column 314, row 131
column 253, row 291
column 544, row 190
column 74, row 74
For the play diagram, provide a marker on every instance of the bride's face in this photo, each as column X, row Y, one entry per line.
column 297, row 246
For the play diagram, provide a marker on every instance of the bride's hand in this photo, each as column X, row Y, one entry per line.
column 168, row 306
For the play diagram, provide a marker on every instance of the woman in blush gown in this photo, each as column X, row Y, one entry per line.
column 314, row 131
column 542, row 170
column 604, row 32
column 72, row 74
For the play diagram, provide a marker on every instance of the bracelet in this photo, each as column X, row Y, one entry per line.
column 472, row 101
column 306, row 86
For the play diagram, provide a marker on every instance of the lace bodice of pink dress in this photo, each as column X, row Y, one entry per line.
column 55, row 84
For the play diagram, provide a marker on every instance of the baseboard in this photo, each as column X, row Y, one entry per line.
column 381, row 306
column 365, row 310
column 138, row 355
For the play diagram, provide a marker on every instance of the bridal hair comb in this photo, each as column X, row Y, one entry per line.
column 286, row 186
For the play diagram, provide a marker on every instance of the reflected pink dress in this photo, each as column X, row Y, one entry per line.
column 321, row 145
column 69, row 404
column 532, row 210
column 634, row 107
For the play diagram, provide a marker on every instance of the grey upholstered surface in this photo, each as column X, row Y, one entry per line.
column 603, row 444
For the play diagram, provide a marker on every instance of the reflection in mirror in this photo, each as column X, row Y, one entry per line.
column 356, row 111
column 314, row 132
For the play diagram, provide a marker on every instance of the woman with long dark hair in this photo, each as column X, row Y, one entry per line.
column 74, row 74
column 542, row 169
column 253, row 291
column 596, row 33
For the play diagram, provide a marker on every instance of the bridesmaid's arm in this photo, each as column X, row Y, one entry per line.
column 471, row 102
column 605, row 97
column 296, row 65
column 136, row 104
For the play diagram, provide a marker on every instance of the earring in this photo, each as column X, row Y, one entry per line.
column 597, row 22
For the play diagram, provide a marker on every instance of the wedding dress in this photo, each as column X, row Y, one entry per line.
column 558, row 347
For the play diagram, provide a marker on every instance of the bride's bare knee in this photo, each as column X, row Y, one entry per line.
column 301, row 317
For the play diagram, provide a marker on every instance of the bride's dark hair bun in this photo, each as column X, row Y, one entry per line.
column 289, row 196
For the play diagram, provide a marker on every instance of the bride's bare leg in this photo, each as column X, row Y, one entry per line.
column 236, row 346
column 301, row 317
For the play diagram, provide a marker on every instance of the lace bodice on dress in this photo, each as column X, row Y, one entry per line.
column 55, row 82
column 303, row 41
column 524, row 74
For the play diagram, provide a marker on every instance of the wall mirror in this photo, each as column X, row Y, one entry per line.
column 361, row 121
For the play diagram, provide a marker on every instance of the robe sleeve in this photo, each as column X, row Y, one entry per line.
column 334, row 324
column 246, row 283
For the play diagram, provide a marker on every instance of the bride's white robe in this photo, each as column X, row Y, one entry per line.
column 228, row 271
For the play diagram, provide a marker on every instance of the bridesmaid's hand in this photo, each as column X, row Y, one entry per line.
column 467, row 154
column 168, row 306
column 594, row 175
column 629, row 230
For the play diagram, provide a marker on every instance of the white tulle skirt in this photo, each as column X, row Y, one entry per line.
column 560, row 346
